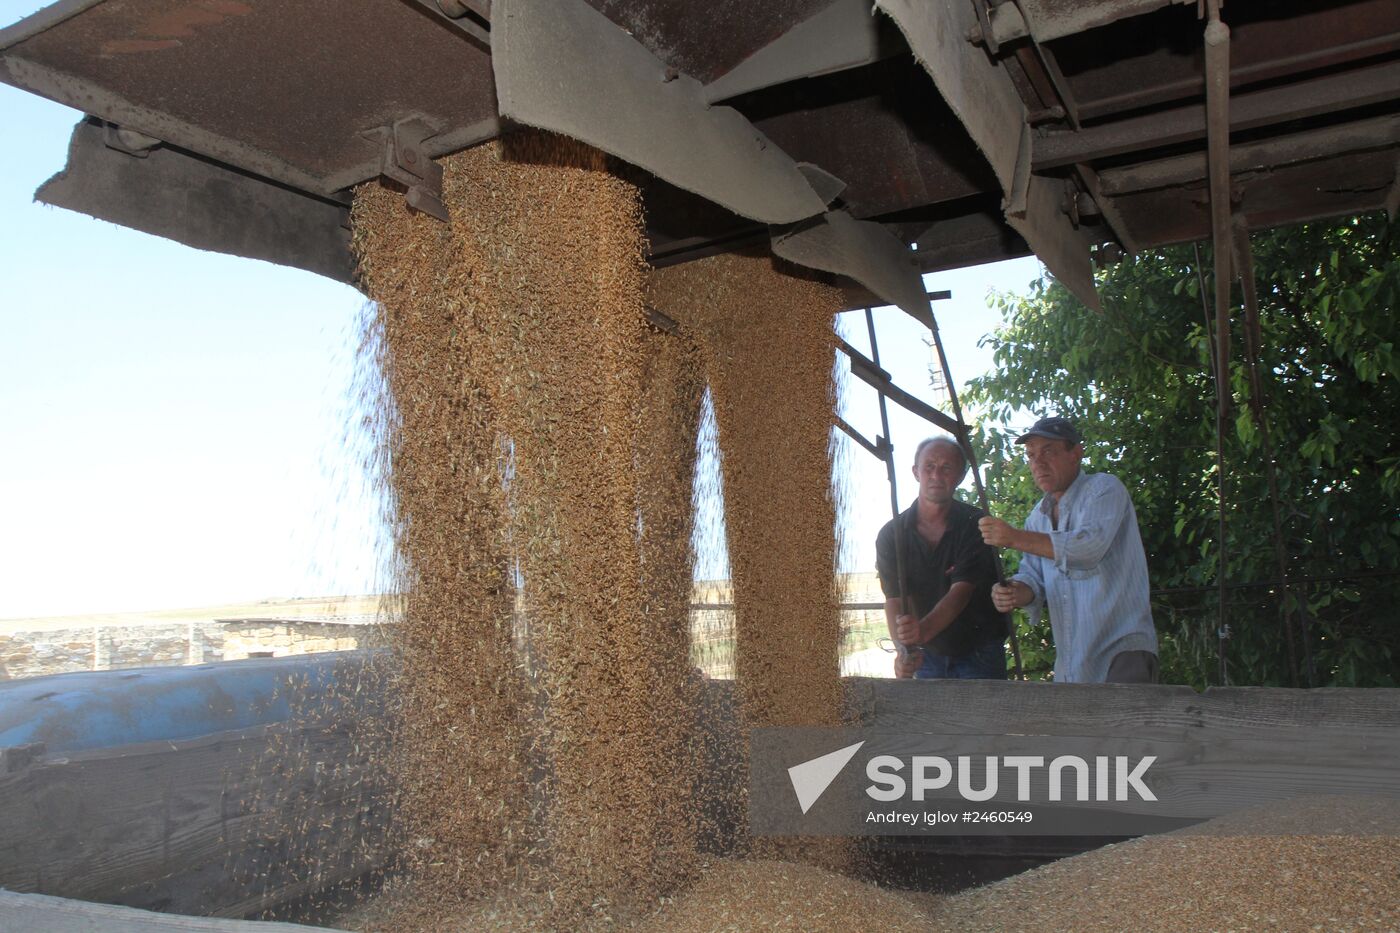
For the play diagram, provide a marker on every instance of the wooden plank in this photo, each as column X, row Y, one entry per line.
column 1192, row 780
column 1216, row 752
column 1169, row 712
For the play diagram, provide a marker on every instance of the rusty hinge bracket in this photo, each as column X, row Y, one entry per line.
column 985, row 33
column 405, row 162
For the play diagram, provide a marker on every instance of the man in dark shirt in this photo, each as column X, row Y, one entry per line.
column 950, row 621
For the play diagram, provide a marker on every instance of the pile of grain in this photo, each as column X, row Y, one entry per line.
column 1327, row 864
column 781, row 896
column 1337, row 868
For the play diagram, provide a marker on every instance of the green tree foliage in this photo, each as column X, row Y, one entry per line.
column 1137, row 378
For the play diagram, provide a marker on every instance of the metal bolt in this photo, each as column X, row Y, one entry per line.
column 134, row 140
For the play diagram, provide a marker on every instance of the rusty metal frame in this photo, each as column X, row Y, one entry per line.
column 865, row 251
column 1349, row 90
column 985, row 100
column 549, row 64
column 868, row 372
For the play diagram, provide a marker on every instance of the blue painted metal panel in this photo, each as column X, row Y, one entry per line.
column 72, row 712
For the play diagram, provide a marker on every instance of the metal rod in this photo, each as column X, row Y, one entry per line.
column 905, row 602
column 965, row 439
column 1252, row 344
column 1222, row 629
column 1217, row 43
column 869, row 372
column 873, row 449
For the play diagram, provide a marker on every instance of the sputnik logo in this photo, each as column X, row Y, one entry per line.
column 811, row 778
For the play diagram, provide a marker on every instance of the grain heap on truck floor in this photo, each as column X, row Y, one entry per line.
column 1327, row 864
column 786, row 898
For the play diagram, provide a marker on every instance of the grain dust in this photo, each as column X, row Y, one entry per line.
column 537, row 434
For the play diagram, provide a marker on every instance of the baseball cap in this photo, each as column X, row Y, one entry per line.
column 1056, row 429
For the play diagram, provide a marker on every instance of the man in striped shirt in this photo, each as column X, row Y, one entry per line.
column 1083, row 561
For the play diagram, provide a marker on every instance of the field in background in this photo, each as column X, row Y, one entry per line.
column 31, row 647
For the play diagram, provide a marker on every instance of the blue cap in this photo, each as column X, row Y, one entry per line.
column 1056, row 429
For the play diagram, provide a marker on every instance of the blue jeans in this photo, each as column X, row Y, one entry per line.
column 985, row 663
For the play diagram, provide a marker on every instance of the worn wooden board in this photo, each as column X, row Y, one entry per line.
column 1216, row 752
column 952, row 707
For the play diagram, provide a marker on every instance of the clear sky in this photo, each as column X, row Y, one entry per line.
column 174, row 421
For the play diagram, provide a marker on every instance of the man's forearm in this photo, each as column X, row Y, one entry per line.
column 946, row 612
column 1033, row 542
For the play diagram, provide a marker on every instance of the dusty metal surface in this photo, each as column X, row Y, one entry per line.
column 976, row 129
column 652, row 116
column 284, row 88
column 847, row 34
column 986, row 101
column 174, row 194
column 865, row 251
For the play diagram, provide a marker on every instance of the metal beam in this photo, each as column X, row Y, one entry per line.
column 1361, row 88
column 1243, row 75
column 845, row 35
column 1111, row 215
column 875, row 450
column 554, row 61
column 864, row 369
column 982, row 96
column 862, row 250
column 1265, row 155
column 968, row 239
